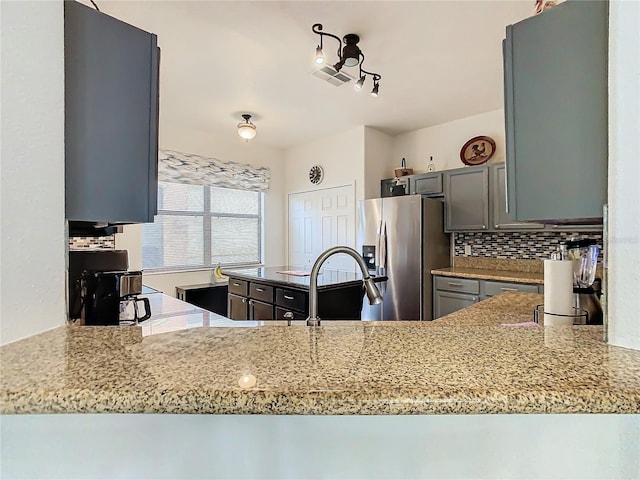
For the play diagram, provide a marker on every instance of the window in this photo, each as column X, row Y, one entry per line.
column 200, row 226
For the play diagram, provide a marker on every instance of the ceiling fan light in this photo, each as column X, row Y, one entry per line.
column 319, row 55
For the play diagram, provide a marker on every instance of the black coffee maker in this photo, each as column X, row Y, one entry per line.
column 100, row 288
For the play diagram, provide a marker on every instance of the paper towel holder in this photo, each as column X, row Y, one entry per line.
column 538, row 310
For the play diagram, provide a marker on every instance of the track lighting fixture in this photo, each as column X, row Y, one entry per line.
column 349, row 55
column 246, row 129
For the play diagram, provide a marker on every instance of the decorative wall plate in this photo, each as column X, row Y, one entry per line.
column 478, row 150
column 316, row 174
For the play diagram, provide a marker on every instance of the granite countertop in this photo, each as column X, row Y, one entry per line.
column 465, row 363
column 489, row 274
column 326, row 279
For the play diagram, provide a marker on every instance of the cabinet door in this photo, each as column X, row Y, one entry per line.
column 467, row 199
column 426, row 184
column 555, row 67
column 111, row 118
column 449, row 302
column 501, row 218
column 237, row 307
column 260, row 310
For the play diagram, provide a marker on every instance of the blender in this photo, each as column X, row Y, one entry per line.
column 584, row 253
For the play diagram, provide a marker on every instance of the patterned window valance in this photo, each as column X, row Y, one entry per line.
column 180, row 167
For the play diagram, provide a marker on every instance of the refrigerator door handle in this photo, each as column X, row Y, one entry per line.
column 378, row 244
column 383, row 246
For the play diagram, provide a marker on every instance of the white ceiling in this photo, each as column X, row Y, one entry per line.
column 439, row 61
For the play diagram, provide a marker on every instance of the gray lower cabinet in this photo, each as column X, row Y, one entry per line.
column 111, row 118
column 466, row 199
column 556, row 90
column 451, row 293
column 445, row 303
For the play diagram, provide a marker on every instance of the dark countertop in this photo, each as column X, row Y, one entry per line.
column 326, row 279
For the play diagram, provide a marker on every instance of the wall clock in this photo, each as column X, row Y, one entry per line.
column 316, row 174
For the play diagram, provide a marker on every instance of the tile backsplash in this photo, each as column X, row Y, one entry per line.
column 79, row 243
column 516, row 245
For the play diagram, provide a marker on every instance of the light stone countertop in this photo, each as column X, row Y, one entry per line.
column 489, row 274
column 465, row 363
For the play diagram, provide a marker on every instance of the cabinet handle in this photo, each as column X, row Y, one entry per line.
column 236, row 284
column 505, row 289
column 287, row 297
column 244, row 300
column 259, row 289
column 484, row 226
column 288, row 315
column 250, row 302
column 475, row 299
column 454, row 284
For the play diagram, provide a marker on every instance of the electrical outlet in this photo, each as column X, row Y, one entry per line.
column 467, row 249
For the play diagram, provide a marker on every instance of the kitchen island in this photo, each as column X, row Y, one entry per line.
column 465, row 363
column 282, row 293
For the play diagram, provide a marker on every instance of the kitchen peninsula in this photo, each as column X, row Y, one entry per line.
column 282, row 293
column 466, row 362
column 398, row 374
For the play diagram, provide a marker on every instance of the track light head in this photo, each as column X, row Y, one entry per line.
column 374, row 92
column 319, row 55
column 360, row 83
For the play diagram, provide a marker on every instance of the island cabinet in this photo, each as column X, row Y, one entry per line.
column 265, row 294
column 555, row 95
column 210, row 296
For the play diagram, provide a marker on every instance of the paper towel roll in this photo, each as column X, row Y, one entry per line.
column 558, row 292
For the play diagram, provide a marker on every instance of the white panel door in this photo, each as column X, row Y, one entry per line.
column 318, row 220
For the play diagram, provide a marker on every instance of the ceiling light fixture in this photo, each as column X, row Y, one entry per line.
column 246, row 129
column 348, row 56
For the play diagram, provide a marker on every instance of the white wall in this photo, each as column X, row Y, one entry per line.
column 341, row 157
column 624, row 174
column 229, row 148
column 443, row 142
column 32, row 285
column 378, row 160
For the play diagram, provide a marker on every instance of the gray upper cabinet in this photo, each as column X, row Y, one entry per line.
column 427, row 184
column 501, row 219
column 555, row 78
column 111, row 118
column 467, row 199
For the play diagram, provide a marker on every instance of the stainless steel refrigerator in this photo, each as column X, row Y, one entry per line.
column 403, row 238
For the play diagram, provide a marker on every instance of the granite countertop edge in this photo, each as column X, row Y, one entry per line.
column 486, row 274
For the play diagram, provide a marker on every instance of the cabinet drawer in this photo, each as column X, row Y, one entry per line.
column 453, row 284
column 281, row 312
column 292, row 299
column 427, row 184
column 239, row 287
column 494, row 288
column 260, row 291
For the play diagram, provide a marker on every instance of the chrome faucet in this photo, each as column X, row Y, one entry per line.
column 372, row 291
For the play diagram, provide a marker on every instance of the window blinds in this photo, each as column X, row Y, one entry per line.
column 178, row 167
